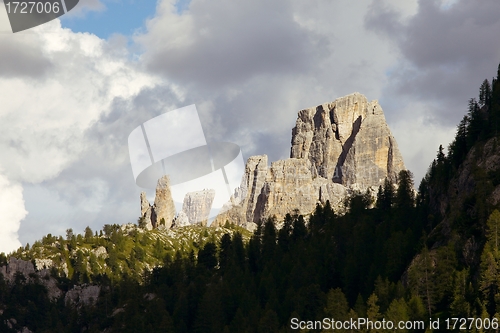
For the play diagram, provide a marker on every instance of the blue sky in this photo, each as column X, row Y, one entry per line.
column 119, row 16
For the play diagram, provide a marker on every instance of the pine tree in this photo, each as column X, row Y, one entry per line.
column 459, row 306
column 405, row 197
column 421, row 279
column 373, row 311
column 493, row 232
column 336, row 305
column 490, row 263
column 476, row 123
column 485, row 93
column 225, row 248
column 397, row 311
column 88, row 234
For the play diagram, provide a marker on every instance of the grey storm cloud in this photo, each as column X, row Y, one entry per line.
column 447, row 51
column 21, row 57
column 228, row 42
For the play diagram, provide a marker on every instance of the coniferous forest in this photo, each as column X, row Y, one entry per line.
column 405, row 255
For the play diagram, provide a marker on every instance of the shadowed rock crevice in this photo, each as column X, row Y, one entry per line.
column 337, row 178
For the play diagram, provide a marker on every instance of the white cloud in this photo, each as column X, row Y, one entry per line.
column 12, row 211
column 44, row 118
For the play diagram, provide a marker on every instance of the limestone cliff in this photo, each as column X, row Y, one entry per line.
column 337, row 148
column 197, row 206
column 163, row 207
column 181, row 220
column 27, row 269
column 146, row 212
column 290, row 187
column 347, row 141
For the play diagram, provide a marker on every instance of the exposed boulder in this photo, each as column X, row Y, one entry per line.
column 43, row 263
column 181, row 220
column 27, row 269
column 82, row 295
column 100, row 252
column 17, row 265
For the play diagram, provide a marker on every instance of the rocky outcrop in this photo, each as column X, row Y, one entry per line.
column 337, row 148
column 27, row 269
column 163, row 207
column 146, row 212
column 12, row 322
column 290, row 187
column 181, row 220
column 100, row 252
column 43, row 264
column 17, row 265
column 197, row 206
column 240, row 210
column 253, row 181
column 348, row 142
column 82, row 295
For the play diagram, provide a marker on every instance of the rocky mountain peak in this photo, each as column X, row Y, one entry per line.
column 163, row 207
column 348, row 142
column 197, row 206
column 337, row 148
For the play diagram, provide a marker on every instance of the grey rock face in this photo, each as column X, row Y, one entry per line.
column 181, row 220
column 253, row 180
column 82, row 295
column 163, row 207
column 43, row 263
column 347, row 141
column 146, row 212
column 197, row 206
column 337, row 148
column 27, row 269
column 374, row 154
column 100, row 252
column 290, row 187
column 241, row 207
column 17, row 265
